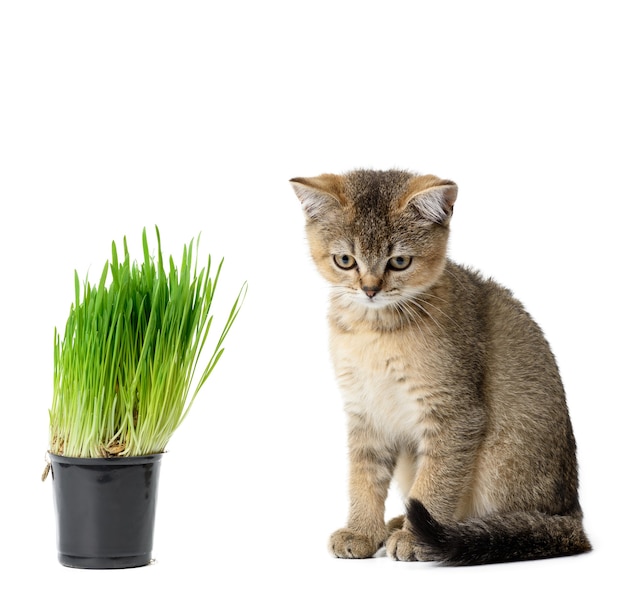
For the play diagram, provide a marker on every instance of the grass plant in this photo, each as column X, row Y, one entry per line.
column 124, row 369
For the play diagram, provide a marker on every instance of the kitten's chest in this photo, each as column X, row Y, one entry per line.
column 386, row 379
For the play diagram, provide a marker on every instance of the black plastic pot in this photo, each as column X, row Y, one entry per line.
column 105, row 510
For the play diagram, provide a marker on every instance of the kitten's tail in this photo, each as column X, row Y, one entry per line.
column 497, row 538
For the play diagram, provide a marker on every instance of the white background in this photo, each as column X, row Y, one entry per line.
column 193, row 116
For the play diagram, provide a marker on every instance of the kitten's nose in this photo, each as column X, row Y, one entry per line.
column 371, row 291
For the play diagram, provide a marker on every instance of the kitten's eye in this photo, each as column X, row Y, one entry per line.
column 400, row 262
column 344, row 261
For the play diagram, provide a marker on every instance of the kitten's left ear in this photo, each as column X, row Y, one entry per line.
column 434, row 202
column 319, row 195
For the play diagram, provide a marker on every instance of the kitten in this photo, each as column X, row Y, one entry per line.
column 449, row 385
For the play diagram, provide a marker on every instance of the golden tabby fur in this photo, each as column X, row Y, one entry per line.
column 449, row 385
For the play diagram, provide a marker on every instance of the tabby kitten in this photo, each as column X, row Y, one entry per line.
column 449, row 385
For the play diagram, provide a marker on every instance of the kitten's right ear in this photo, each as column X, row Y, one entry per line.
column 432, row 198
column 319, row 195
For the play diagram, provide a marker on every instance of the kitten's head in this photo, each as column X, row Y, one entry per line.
column 378, row 237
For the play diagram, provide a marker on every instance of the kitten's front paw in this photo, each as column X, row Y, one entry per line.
column 394, row 524
column 345, row 543
column 403, row 546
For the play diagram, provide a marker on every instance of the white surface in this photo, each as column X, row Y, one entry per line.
column 193, row 116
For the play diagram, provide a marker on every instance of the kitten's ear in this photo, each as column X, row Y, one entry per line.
column 433, row 198
column 320, row 194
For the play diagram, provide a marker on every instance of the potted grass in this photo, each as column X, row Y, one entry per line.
column 126, row 373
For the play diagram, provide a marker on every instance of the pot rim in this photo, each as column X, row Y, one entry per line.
column 131, row 460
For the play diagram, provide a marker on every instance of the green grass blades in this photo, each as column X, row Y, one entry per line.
column 124, row 368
